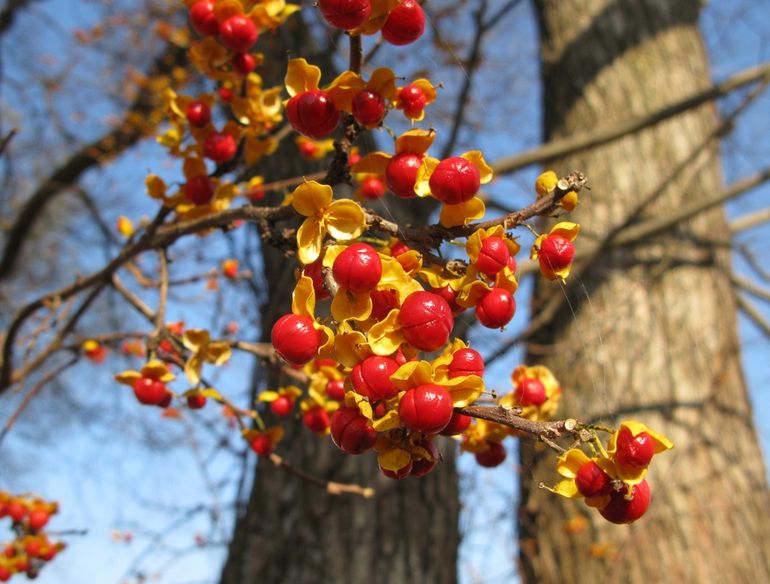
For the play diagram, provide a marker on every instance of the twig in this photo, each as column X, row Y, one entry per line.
column 560, row 148
column 34, row 392
column 331, row 487
column 546, row 432
column 754, row 314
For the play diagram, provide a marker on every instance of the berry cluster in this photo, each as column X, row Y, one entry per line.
column 613, row 480
column 383, row 370
column 31, row 548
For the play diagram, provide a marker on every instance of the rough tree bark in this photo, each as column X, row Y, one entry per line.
column 295, row 532
column 653, row 335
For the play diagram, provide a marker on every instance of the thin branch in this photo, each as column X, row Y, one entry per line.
column 132, row 298
column 8, row 15
column 469, row 67
column 640, row 231
column 754, row 289
column 572, row 144
column 546, row 432
column 160, row 314
column 749, row 221
column 50, row 376
column 7, row 140
column 754, row 315
column 331, row 487
column 90, row 155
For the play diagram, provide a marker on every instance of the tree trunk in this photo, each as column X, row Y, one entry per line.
column 295, row 532
column 653, row 333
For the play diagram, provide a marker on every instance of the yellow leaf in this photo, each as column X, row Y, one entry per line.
column 390, row 421
column 394, row 459
column 422, row 185
column 128, row 377
column 415, row 141
column 301, row 76
column 311, row 198
column 462, row 213
column 345, row 220
column 309, row 241
column 303, row 297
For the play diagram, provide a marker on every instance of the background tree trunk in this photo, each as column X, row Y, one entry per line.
column 295, row 532
column 653, row 334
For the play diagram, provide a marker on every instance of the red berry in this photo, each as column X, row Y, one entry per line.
column 202, row 18
column 412, row 100
column 450, row 295
column 426, row 408
column 592, row 481
column 295, row 339
column 308, row 149
column 622, row 510
column 335, row 389
column 282, row 405
column 313, row 113
column 368, row 108
column 38, row 518
column 220, row 147
column 351, row 431
column 401, row 174
column 455, row 180
column 256, row 196
column 262, row 445
column 405, row 23
column 426, row 320
column 198, row 114
column 165, row 401
column 225, row 94
column 492, row 456
column 198, row 190
column 401, row 473
column 530, row 392
column 32, row 548
column 457, row 425
column 358, row 269
column 466, row 362
column 383, row 301
column 422, row 466
column 9, row 551
column 16, row 510
column 556, row 253
column 316, row 419
column 496, row 308
column 372, row 187
column 345, row 14
column 315, row 272
column 493, row 256
column 196, row 401
column 5, row 574
column 238, row 33
column 372, row 377
column 149, row 392
column 244, row 63
column 399, row 248
column 634, row 451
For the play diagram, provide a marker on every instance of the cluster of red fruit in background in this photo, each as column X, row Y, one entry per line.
column 30, row 548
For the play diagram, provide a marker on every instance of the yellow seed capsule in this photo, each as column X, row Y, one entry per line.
column 546, row 182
